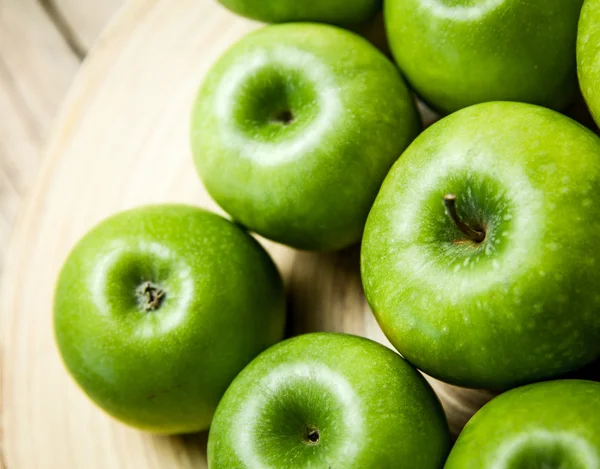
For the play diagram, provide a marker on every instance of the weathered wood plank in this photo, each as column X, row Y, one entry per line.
column 87, row 18
column 18, row 160
column 37, row 58
column 36, row 69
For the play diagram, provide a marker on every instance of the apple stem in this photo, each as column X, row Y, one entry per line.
column 312, row 435
column 473, row 235
column 284, row 117
column 150, row 296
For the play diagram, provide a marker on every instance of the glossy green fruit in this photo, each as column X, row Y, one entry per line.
column 456, row 53
column 588, row 56
column 326, row 400
column 341, row 12
column 552, row 425
column 521, row 305
column 157, row 309
column 294, row 130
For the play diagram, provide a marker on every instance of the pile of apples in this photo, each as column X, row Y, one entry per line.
column 480, row 253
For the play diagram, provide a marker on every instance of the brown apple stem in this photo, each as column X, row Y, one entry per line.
column 312, row 435
column 150, row 296
column 473, row 235
column 284, row 117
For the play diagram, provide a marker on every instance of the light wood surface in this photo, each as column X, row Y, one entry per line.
column 86, row 18
column 122, row 141
column 37, row 65
column 36, row 69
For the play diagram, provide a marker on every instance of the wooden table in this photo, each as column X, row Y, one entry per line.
column 42, row 45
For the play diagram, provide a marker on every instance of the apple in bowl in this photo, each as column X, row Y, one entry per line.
column 158, row 308
column 588, row 56
column 326, row 400
column 294, row 130
column 479, row 257
column 456, row 53
column 555, row 424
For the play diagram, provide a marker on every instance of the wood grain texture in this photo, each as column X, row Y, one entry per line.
column 37, row 65
column 18, row 159
column 86, row 18
column 36, row 69
column 37, row 59
column 122, row 141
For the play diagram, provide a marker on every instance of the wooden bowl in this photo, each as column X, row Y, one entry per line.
column 122, row 141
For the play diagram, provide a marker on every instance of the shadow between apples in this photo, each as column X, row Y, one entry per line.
column 580, row 112
column 324, row 293
column 189, row 448
column 590, row 372
column 373, row 31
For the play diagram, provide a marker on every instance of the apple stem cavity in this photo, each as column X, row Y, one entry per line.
column 312, row 435
column 284, row 117
column 474, row 235
column 150, row 296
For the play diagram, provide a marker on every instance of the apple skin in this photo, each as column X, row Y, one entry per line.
column 555, row 424
column 164, row 370
column 340, row 12
column 519, row 307
column 588, row 56
column 456, row 53
column 371, row 409
column 308, row 183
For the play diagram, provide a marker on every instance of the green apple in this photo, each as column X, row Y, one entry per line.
column 341, row 12
column 294, row 130
column 158, row 308
column 325, row 400
column 588, row 56
column 456, row 53
column 552, row 425
column 480, row 256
